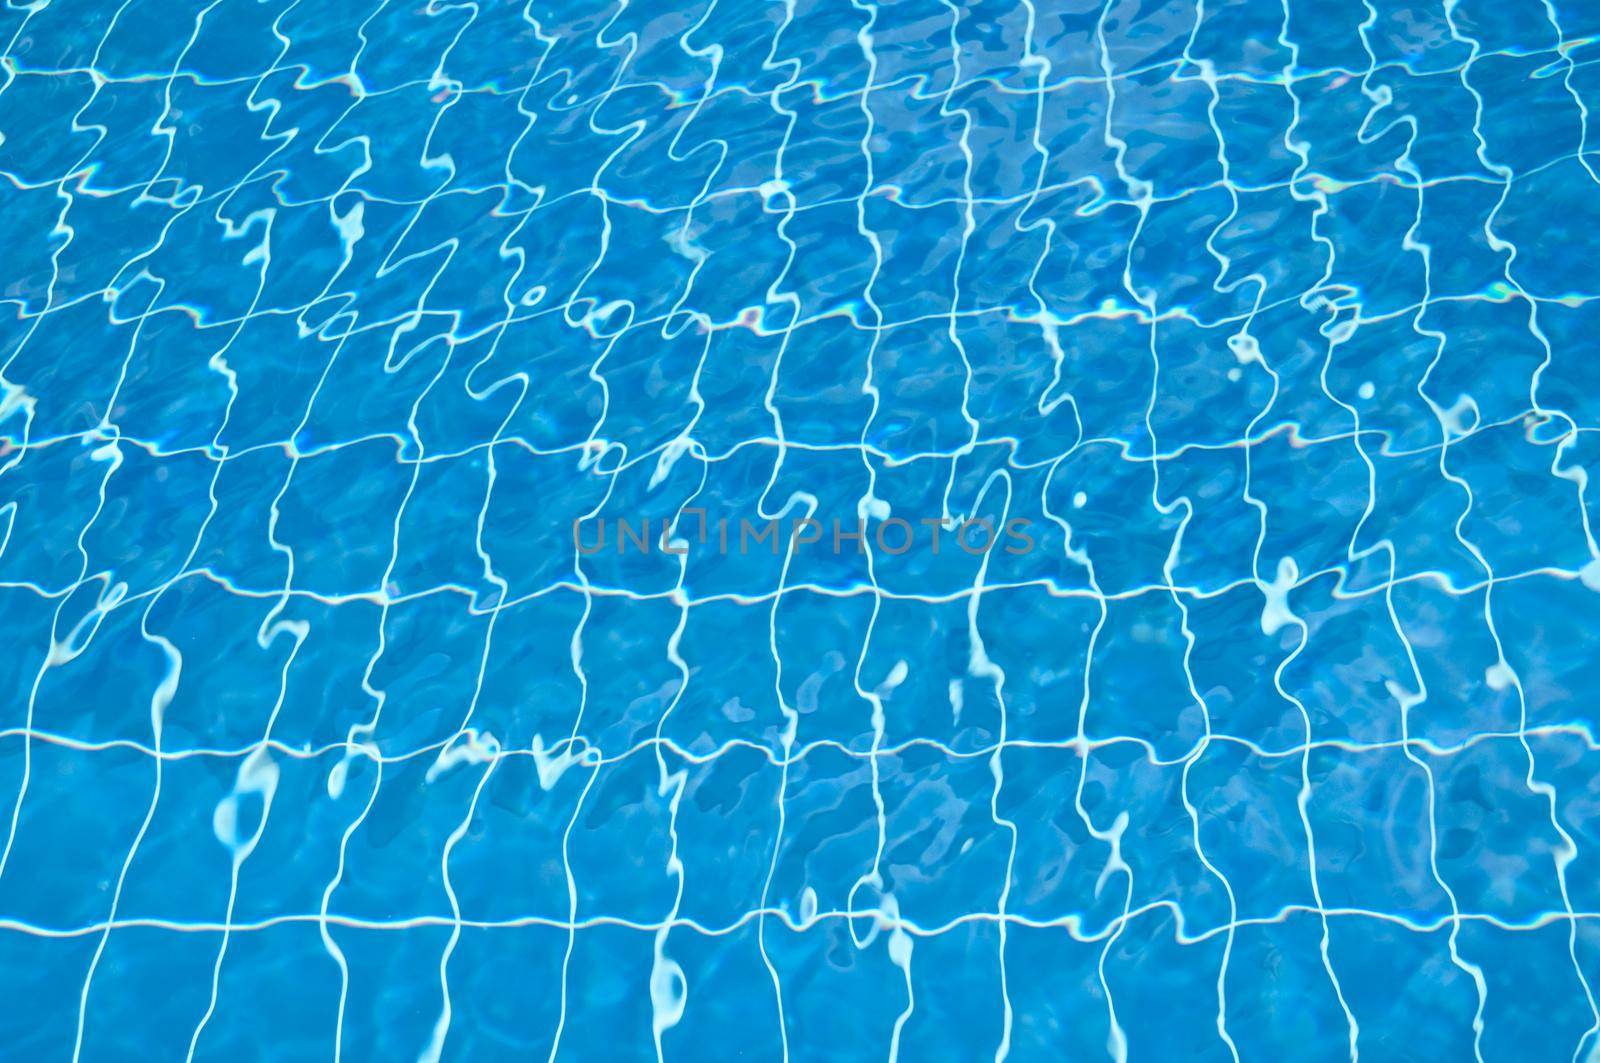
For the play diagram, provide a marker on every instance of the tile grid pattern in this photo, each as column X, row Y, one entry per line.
column 288, row 579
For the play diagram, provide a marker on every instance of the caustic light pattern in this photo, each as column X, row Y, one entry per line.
column 323, row 324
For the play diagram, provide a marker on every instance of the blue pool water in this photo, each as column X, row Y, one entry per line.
column 1177, row 639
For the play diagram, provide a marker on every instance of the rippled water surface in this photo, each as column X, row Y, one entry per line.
column 340, row 717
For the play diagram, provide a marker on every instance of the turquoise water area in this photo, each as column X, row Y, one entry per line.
column 326, row 326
